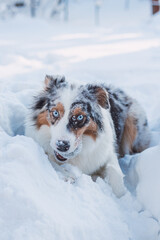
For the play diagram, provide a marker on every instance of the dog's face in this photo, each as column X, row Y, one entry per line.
column 71, row 112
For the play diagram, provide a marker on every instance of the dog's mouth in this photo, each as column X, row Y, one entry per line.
column 59, row 157
column 67, row 156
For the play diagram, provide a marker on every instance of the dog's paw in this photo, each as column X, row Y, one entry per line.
column 69, row 179
column 67, row 176
column 68, row 173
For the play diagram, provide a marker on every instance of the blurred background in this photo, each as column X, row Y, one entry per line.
column 60, row 8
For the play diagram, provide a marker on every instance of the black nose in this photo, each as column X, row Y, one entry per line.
column 63, row 146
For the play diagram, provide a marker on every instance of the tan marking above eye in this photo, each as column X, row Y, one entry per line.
column 60, row 109
column 77, row 111
column 89, row 129
column 43, row 118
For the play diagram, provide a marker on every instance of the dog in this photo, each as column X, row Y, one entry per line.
column 89, row 126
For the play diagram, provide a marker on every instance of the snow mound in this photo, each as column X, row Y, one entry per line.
column 148, row 171
column 37, row 204
column 12, row 115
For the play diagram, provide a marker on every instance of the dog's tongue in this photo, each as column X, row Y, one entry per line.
column 60, row 157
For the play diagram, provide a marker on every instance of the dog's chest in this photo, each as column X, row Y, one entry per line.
column 93, row 157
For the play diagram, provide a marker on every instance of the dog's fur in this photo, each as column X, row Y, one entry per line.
column 88, row 126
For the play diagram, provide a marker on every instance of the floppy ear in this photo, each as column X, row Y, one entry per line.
column 54, row 81
column 101, row 95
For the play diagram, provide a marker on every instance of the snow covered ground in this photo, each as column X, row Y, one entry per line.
column 35, row 202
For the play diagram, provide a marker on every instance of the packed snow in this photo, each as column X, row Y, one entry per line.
column 124, row 50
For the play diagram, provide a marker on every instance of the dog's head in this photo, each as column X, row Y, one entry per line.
column 71, row 112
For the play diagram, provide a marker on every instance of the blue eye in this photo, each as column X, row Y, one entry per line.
column 55, row 113
column 80, row 117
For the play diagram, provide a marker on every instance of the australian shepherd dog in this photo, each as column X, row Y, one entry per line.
column 89, row 126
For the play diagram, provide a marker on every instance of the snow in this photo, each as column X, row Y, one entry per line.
column 53, row 209
column 35, row 201
column 148, row 184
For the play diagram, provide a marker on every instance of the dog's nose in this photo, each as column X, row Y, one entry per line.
column 63, row 146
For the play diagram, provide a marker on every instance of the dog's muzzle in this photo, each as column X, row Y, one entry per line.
column 62, row 146
column 62, row 157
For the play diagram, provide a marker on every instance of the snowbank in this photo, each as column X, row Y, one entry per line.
column 148, row 171
column 37, row 204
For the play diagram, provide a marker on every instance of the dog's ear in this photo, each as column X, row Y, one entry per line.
column 101, row 95
column 54, row 81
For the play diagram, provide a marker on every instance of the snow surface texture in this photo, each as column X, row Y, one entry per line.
column 35, row 202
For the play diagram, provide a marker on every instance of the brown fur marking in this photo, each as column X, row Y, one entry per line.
column 129, row 136
column 102, row 97
column 60, row 108
column 90, row 129
column 78, row 111
column 42, row 119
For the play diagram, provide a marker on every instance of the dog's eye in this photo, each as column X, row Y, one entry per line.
column 55, row 114
column 80, row 117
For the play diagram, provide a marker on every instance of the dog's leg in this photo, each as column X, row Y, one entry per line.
column 114, row 177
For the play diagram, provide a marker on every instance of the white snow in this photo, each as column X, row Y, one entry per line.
column 35, row 201
column 148, row 186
